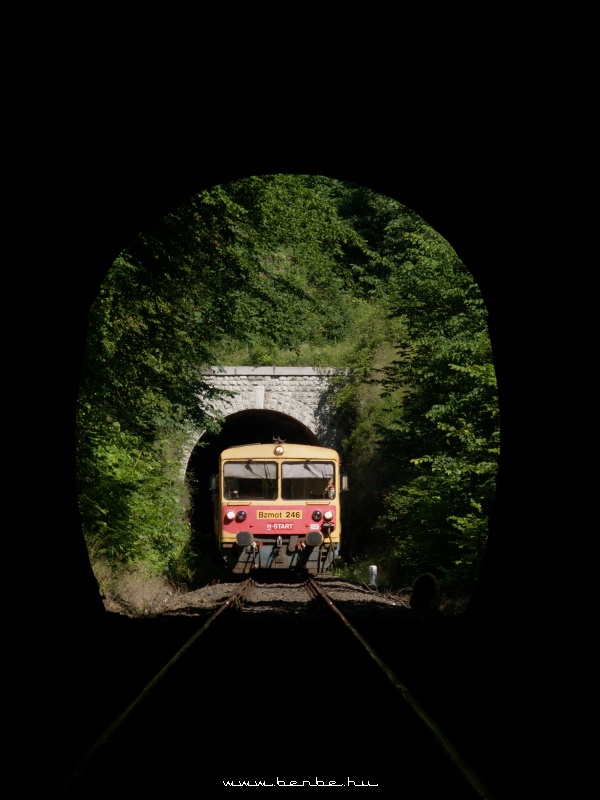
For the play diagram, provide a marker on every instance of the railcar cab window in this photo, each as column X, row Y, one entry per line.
column 307, row 480
column 250, row 480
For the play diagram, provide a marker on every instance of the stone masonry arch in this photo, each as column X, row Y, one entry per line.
column 297, row 392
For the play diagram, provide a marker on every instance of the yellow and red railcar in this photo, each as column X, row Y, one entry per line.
column 277, row 506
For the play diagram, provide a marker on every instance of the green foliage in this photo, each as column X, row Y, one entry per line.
column 294, row 270
column 165, row 304
column 445, row 436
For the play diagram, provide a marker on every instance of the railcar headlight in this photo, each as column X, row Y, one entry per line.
column 240, row 516
column 230, row 515
column 316, row 515
column 328, row 515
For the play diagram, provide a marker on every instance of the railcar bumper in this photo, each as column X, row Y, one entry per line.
column 311, row 553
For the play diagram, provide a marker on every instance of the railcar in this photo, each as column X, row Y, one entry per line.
column 277, row 507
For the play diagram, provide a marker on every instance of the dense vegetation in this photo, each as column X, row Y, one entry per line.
column 350, row 279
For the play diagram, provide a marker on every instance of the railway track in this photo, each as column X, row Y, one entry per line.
column 275, row 688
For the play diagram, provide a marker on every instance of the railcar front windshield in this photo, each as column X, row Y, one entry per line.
column 306, row 480
column 250, row 480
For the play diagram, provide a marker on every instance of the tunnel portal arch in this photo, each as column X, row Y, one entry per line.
column 293, row 402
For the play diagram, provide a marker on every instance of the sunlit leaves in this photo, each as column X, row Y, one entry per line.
column 448, row 432
column 274, row 267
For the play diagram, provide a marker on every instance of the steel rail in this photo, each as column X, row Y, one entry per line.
column 109, row 732
column 448, row 748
